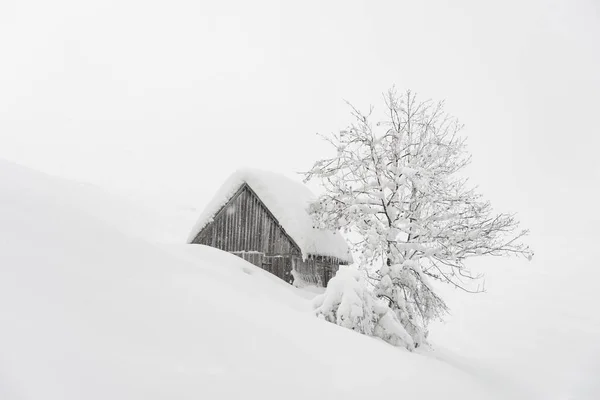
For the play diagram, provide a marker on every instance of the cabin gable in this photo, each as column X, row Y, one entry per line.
column 244, row 224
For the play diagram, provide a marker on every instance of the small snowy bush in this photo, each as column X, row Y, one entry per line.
column 348, row 302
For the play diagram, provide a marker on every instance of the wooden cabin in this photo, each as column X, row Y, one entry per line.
column 263, row 218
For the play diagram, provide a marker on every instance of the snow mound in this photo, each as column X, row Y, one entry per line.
column 288, row 200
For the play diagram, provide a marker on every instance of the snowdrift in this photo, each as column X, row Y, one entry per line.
column 89, row 311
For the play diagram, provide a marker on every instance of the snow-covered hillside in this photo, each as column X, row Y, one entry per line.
column 90, row 309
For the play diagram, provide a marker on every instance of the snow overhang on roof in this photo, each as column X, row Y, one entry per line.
column 288, row 201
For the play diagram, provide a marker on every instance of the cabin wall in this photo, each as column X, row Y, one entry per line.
column 280, row 266
column 247, row 229
column 245, row 225
column 316, row 270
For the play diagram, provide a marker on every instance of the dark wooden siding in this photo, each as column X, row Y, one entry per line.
column 245, row 224
column 245, row 227
column 280, row 266
column 317, row 270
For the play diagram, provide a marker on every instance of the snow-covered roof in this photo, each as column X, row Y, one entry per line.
column 288, row 201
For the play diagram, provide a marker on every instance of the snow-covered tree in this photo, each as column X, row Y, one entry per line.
column 350, row 303
column 397, row 183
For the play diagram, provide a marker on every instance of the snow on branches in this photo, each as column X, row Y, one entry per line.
column 348, row 302
column 396, row 183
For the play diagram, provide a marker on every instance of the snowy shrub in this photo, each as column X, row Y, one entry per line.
column 389, row 328
column 348, row 302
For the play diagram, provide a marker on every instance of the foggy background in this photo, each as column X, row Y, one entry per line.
column 162, row 100
column 159, row 101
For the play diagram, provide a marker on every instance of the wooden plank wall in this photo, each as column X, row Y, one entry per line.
column 253, row 257
column 244, row 224
column 247, row 229
column 316, row 270
column 280, row 266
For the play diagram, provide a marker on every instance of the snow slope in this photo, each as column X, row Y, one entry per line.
column 537, row 323
column 91, row 311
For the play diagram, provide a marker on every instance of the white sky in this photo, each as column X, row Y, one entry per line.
column 163, row 99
